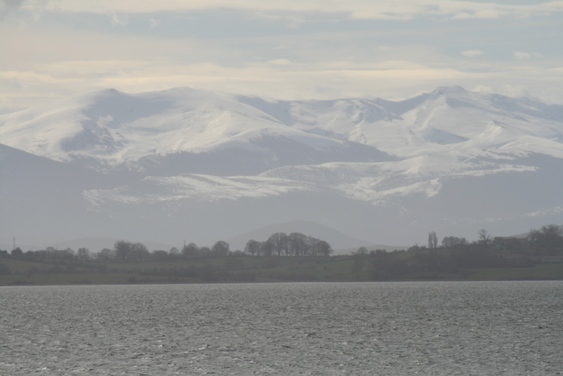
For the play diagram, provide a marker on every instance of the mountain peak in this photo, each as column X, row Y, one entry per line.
column 101, row 94
column 194, row 160
column 450, row 90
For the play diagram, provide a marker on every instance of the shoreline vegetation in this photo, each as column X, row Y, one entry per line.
column 293, row 258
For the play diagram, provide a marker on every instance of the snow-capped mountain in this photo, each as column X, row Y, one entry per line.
column 185, row 163
column 155, row 132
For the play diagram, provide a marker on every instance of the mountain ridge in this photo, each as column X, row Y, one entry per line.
column 134, row 161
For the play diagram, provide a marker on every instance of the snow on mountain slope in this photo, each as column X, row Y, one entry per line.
column 379, row 182
column 375, row 183
column 203, row 188
column 449, row 121
column 115, row 128
column 196, row 159
column 455, row 121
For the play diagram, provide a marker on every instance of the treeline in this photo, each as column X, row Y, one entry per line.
column 294, row 257
column 122, row 251
column 278, row 244
column 294, row 244
column 545, row 242
column 456, row 255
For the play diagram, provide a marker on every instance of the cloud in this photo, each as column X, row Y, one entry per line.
column 526, row 55
column 359, row 9
column 119, row 20
column 322, row 80
column 472, row 53
column 153, row 22
column 7, row 6
column 330, row 56
column 281, row 79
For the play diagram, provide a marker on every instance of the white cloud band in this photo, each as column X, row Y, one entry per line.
column 375, row 9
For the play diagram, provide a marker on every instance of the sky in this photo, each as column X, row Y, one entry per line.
column 291, row 49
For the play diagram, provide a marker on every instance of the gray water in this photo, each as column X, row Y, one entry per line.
column 484, row 328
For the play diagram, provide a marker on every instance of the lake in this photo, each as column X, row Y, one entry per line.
column 419, row 328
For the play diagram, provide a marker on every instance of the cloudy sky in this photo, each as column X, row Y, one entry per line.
column 290, row 49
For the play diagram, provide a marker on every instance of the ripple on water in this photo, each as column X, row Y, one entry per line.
column 480, row 328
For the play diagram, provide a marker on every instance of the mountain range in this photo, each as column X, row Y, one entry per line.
column 185, row 164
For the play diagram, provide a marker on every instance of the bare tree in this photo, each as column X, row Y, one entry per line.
column 221, row 248
column 83, row 255
column 452, row 241
column 105, row 254
column 252, row 247
column 191, row 250
column 432, row 240
column 548, row 240
column 321, row 248
column 265, row 249
column 484, row 237
column 278, row 242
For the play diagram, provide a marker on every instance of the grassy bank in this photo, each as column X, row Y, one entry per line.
column 243, row 269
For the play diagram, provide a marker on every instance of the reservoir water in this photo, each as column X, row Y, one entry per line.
column 435, row 328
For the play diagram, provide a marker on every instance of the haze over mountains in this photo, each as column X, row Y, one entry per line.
column 186, row 164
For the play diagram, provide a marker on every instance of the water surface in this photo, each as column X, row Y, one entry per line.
column 459, row 328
